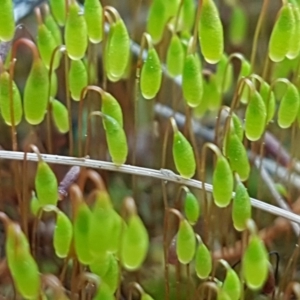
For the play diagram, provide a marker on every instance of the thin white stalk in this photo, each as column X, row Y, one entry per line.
column 163, row 174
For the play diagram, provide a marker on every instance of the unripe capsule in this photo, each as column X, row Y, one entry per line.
column 294, row 48
column 232, row 285
column 175, row 56
column 238, row 25
column 36, row 93
column 5, row 100
column 93, row 17
column 191, row 207
column 151, row 75
column 7, row 24
column 60, row 116
column 111, row 107
column 58, row 9
column 53, row 28
column 78, row 78
column 210, row 32
column 269, row 100
column 203, row 261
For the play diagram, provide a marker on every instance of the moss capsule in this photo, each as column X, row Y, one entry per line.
column 78, row 78
column 222, row 182
column 111, row 107
column 191, row 207
column 269, row 100
column 93, row 13
column 75, row 33
column 53, row 28
column 135, row 243
column 5, row 100
column 211, row 32
column 58, row 9
column 238, row 25
column 203, row 261
column 60, row 116
column 175, row 56
column 46, row 184
column 151, row 75
column 224, row 66
column 36, row 93
column 7, row 24
column 294, row 48
column 192, row 82
column 232, row 285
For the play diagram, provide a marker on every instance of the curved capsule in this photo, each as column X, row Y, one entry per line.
column 232, row 285
column 175, row 56
column 255, row 119
column 191, row 208
column 269, row 100
column 53, row 28
column 60, row 116
column 187, row 15
column 58, row 9
column 117, row 51
column 5, row 100
column 135, row 243
column 210, row 32
column 100, row 264
column 211, row 93
column 222, row 182
column 238, row 126
column 7, row 23
column 288, row 107
column 111, row 276
column 238, row 25
column 281, row 35
column 241, row 207
column 116, row 140
column 146, row 297
column 93, row 13
column 192, row 82
column 224, row 65
column 203, row 261
column 75, row 33
column 111, row 107
column 46, row 184
column 63, row 234
column 104, row 293
column 78, row 78
column 255, row 264
column 185, row 242
column 151, row 75
column 36, row 93
column 183, row 155
column 294, row 48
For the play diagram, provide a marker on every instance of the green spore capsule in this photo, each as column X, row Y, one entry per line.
column 294, row 48
column 288, row 107
column 255, row 264
column 78, row 78
column 281, row 36
column 151, row 75
column 46, row 184
column 60, row 116
column 7, row 23
column 185, row 242
column 183, row 155
column 203, row 261
column 238, row 126
column 34, row 205
column 58, row 9
column 81, row 229
column 36, row 93
column 222, row 182
column 256, row 115
column 211, row 93
column 53, row 28
column 104, row 293
column 46, row 45
column 157, row 20
column 63, row 234
column 5, row 100
column 241, row 208
column 111, row 107
column 116, row 140
column 111, row 277
column 135, row 243
column 175, row 56
column 244, row 72
column 117, row 51
column 100, row 264
column 269, row 100
column 238, row 25
column 75, row 33
column 93, row 13
column 236, row 154
column 224, row 73
column 187, row 15
column 232, row 285
column 146, row 296
column 191, row 208
column 210, row 32
column 192, row 82
column 54, row 85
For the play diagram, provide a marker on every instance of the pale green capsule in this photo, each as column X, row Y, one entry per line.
column 111, row 107
column 175, row 56
column 53, row 28
column 104, row 293
column 244, row 72
column 93, row 13
column 100, row 264
column 294, row 48
column 36, row 93
column 210, row 32
column 238, row 126
column 151, row 75
column 255, row 264
column 224, row 66
column 146, row 297
column 5, row 100
column 288, row 107
column 63, row 234
column 222, row 182
column 232, row 285
column 185, row 242
column 76, row 33
column 203, row 261
column 191, row 208
column 282, row 33
column 183, row 155
column 117, row 51
column 135, row 243
column 60, row 116
column 241, row 208
column 192, row 82
column 222, row 295
column 58, row 9
column 111, row 277
column 256, row 115
column 187, row 15
column 78, row 78
column 269, row 100
column 54, row 85
column 238, row 25
column 7, row 24
column 34, row 205
column 212, row 93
